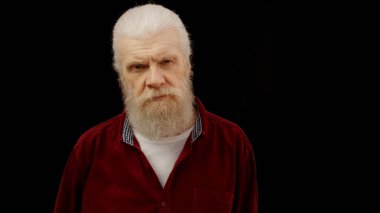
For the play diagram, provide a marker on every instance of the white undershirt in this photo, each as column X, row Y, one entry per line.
column 162, row 154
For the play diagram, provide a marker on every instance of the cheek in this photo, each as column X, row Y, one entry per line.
column 124, row 81
column 135, row 84
column 180, row 79
column 176, row 76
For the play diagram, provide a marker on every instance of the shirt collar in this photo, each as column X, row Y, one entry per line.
column 128, row 132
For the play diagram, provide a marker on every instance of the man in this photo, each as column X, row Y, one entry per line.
column 165, row 152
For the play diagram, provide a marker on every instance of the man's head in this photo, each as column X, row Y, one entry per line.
column 152, row 58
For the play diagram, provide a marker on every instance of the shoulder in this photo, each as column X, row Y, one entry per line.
column 224, row 132
column 216, row 121
column 96, row 139
column 110, row 129
column 218, row 127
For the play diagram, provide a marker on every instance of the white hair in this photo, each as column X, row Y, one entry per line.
column 146, row 20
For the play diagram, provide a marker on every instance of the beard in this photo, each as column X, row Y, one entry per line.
column 158, row 118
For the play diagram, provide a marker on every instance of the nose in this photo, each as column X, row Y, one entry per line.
column 155, row 78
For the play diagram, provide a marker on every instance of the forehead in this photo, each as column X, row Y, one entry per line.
column 160, row 44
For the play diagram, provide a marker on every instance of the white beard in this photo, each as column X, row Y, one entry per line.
column 163, row 118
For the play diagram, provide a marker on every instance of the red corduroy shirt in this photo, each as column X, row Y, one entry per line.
column 108, row 173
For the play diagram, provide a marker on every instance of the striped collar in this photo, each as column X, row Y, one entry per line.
column 128, row 132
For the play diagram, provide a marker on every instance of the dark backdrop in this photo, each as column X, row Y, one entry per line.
column 61, row 82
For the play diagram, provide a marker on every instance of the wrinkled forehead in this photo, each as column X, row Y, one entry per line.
column 163, row 44
column 165, row 40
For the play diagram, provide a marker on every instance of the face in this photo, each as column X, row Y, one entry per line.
column 155, row 79
column 151, row 67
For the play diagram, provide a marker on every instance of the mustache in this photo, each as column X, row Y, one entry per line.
column 151, row 94
column 160, row 92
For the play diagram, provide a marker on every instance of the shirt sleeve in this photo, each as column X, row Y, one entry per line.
column 246, row 195
column 71, row 187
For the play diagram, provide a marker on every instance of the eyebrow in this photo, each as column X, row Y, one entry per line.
column 160, row 56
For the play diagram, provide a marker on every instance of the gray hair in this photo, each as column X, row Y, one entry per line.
column 146, row 20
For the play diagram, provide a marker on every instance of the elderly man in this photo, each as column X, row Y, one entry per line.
column 164, row 152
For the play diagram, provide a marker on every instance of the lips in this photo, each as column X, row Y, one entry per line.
column 160, row 97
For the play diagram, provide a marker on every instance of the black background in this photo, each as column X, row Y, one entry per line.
column 60, row 82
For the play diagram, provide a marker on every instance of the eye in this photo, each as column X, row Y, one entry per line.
column 137, row 67
column 166, row 62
